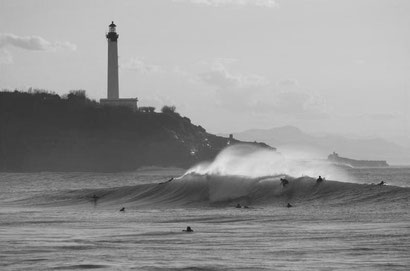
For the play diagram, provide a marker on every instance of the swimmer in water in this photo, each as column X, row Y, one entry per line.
column 188, row 229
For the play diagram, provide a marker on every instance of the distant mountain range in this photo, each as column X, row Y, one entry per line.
column 292, row 137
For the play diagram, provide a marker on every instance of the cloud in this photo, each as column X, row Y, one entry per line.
column 138, row 64
column 359, row 61
column 217, row 60
column 288, row 83
column 34, row 43
column 5, row 57
column 298, row 104
column 237, row 3
column 254, row 94
column 383, row 116
column 220, row 77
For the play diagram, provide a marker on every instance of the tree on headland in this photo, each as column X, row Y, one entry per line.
column 168, row 109
column 77, row 96
column 37, row 91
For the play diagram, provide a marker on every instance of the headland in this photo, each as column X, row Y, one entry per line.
column 42, row 131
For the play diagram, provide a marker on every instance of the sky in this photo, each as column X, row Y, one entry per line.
column 327, row 67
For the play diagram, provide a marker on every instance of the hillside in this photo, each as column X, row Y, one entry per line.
column 45, row 132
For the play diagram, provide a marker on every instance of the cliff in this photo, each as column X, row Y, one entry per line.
column 46, row 132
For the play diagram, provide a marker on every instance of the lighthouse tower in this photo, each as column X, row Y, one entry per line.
column 113, row 93
column 112, row 80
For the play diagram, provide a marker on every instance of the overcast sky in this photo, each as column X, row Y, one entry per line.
column 229, row 65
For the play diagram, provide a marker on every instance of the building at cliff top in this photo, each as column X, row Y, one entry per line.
column 113, row 97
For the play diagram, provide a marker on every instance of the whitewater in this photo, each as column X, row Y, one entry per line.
column 72, row 221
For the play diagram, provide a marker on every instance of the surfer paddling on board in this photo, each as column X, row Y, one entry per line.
column 289, row 205
column 188, row 229
column 381, row 183
column 242, row 206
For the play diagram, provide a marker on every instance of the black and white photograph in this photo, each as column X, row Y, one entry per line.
column 203, row 135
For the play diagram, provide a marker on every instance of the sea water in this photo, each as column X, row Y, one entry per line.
column 72, row 221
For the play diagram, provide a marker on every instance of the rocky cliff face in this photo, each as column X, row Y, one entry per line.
column 45, row 132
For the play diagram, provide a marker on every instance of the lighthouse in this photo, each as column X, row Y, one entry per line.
column 112, row 75
column 113, row 92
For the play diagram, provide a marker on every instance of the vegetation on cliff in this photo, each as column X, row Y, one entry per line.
column 41, row 131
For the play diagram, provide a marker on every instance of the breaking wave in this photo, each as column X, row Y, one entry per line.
column 242, row 174
column 193, row 190
column 255, row 162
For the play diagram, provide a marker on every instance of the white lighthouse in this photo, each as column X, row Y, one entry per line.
column 113, row 93
column 112, row 80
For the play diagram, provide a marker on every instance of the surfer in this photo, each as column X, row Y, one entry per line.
column 381, row 183
column 95, row 198
column 188, row 229
column 289, row 205
column 284, row 182
column 319, row 180
column 170, row 180
column 122, row 209
column 238, row 206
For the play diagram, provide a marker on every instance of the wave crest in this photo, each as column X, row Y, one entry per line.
column 254, row 162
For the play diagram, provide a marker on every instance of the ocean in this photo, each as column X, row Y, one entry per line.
column 72, row 221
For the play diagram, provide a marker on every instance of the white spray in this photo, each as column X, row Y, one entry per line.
column 253, row 161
